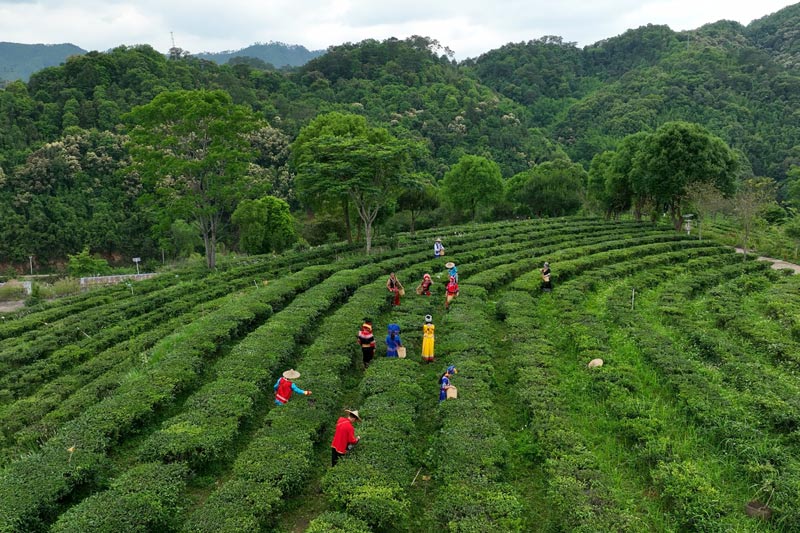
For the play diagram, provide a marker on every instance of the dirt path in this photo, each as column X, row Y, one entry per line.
column 8, row 307
column 777, row 264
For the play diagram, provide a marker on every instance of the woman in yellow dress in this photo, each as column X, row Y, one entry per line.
column 427, row 339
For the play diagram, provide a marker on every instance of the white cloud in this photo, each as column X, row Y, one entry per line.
column 469, row 27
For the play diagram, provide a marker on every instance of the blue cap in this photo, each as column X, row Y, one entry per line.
column 452, row 369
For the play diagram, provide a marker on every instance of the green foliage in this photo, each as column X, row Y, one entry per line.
column 554, row 188
column 84, row 264
column 472, row 182
column 339, row 158
column 688, row 491
column 143, row 499
column 265, row 225
column 190, row 149
column 331, row 522
column 184, row 238
column 679, row 154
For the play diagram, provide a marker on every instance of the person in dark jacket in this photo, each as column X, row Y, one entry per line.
column 547, row 285
column 394, row 286
column 367, row 342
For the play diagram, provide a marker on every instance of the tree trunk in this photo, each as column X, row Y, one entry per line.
column 637, row 209
column 346, row 210
column 368, row 235
column 412, row 221
column 675, row 216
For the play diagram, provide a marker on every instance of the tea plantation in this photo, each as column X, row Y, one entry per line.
column 152, row 409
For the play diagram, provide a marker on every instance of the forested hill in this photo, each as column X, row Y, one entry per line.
column 63, row 183
column 275, row 54
column 741, row 82
column 19, row 61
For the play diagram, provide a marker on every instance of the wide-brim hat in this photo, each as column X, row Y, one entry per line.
column 354, row 413
column 438, row 239
column 449, row 264
column 291, row 374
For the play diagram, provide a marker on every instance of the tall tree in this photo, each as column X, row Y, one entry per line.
column 341, row 156
column 316, row 191
column 750, row 199
column 472, row 182
column 265, row 225
column 678, row 154
column 554, row 188
column 418, row 197
column 192, row 151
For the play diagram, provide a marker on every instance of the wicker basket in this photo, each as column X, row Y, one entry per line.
column 452, row 393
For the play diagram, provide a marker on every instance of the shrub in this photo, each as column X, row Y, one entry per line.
column 337, row 523
column 12, row 291
column 687, row 489
column 142, row 499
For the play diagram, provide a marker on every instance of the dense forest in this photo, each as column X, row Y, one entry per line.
column 528, row 121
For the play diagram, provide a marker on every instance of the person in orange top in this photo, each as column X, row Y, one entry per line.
column 345, row 436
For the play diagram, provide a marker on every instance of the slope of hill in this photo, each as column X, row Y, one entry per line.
column 154, row 411
column 19, row 61
column 276, row 54
column 779, row 34
column 739, row 82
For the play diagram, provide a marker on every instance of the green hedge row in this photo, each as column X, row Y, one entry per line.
column 211, row 417
column 577, row 492
column 29, row 488
column 337, row 523
column 33, row 419
column 704, row 375
column 143, row 499
column 370, row 483
column 278, row 461
column 562, row 247
column 470, row 450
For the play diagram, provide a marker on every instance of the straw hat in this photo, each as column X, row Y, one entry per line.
column 291, row 374
column 438, row 239
column 449, row 264
column 354, row 413
column 595, row 363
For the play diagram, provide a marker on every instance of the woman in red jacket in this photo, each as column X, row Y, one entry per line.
column 345, row 436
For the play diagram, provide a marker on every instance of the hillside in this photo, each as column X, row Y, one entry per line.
column 275, row 54
column 19, row 61
column 520, row 106
column 152, row 409
column 739, row 82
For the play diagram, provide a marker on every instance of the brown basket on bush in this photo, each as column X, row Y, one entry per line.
column 452, row 393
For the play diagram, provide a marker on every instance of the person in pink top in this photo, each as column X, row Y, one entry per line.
column 345, row 436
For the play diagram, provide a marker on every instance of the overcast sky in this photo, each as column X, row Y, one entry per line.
column 468, row 27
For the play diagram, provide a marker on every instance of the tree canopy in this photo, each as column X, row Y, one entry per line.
column 191, row 149
column 473, row 182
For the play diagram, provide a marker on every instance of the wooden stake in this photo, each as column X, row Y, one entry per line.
column 415, row 477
